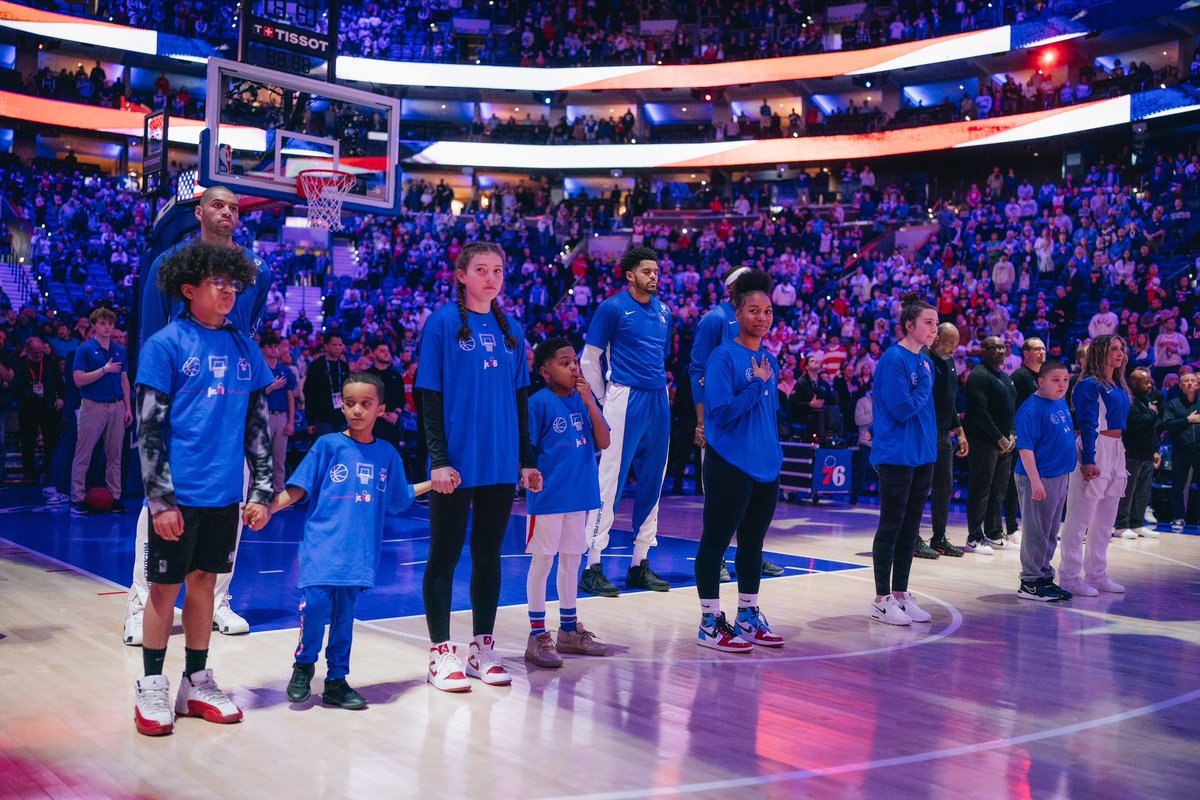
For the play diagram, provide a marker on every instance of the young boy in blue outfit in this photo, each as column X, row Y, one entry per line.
column 1046, row 446
column 202, row 413
column 566, row 427
column 355, row 483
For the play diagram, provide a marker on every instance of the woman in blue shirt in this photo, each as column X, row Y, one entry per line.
column 474, row 381
column 1101, row 403
column 743, row 457
column 903, row 453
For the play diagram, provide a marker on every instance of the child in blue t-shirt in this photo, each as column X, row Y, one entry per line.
column 1046, row 446
column 566, row 427
column 355, row 482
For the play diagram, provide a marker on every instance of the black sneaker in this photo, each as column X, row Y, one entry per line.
column 725, row 576
column 593, row 582
column 117, row 508
column 298, row 687
column 1051, row 586
column 81, row 509
column 944, row 547
column 771, row 570
column 1038, row 591
column 923, row 550
column 338, row 693
column 642, row 577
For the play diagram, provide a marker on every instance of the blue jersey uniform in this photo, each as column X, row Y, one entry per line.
column 277, row 400
column 1098, row 408
column 478, row 379
column 636, row 337
column 209, row 376
column 90, row 356
column 353, row 488
column 905, row 424
column 158, row 309
column 740, row 411
column 1044, row 426
column 716, row 327
column 560, row 429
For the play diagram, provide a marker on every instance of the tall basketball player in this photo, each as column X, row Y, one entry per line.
column 633, row 331
column 217, row 213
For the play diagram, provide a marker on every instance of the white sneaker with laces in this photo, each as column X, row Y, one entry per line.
column 753, row 627
column 133, row 621
column 980, row 548
column 889, row 612
column 1148, row 532
column 199, row 696
column 484, row 664
column 1078, row 587
column 909, row 606
column 1129, row 533
column 1153, row 520
column 152, row 706
column 446, row 670
column 1105, row 584
column 1015, row 536
column 228, row 621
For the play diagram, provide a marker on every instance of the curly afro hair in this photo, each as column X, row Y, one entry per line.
column 636, row 255
column 190, row 265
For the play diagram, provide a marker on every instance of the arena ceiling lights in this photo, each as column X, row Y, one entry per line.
column 49, row 25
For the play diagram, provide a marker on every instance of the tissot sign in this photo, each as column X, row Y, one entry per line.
column 285, row 37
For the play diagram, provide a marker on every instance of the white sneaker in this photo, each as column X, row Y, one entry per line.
column 228, row 621
column 889, row 612
column 914, row 611
column 1148, row 532
column 1153, row 520
column 484, row 664
column 1013, row 538
column 980, row 548
column 1078, row 587
column 152, row 706
column 1106, row 584
column 57, row 498
column 1177, row 526
column 199, row 696
column 446, row 669
column 133, row 621
column 1129, row 533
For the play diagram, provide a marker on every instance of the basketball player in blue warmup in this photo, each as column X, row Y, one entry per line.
column 217, row 213
column 633, row 330
column 717, row 326
column 354, row 483
column 474, row 381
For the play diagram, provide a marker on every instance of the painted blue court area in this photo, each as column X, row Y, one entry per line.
column 264, row 586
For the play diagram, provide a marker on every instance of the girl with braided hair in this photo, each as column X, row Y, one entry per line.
column 474, row 382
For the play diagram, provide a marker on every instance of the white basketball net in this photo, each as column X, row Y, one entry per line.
column 325, row 190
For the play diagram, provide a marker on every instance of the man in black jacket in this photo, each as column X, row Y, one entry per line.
column 945, row 404
column 1141, row 446
column 323, row 388
column 814, row 402
column 387, row 427
column 39, row 387
column 991, row 409
column 1033, row 355
column 1182, row 422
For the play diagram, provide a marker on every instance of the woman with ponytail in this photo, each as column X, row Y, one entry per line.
column 473, row 379
column 1101, row 403
column 903, row 453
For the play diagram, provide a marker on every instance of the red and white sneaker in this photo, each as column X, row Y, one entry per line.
column 753, row 627
column 484, row 664
column 199, row 696
column 446, row 669
column 152, row 706
column 720, row 635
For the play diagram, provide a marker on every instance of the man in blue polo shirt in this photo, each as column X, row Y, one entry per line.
column 101, row 374
column 633, row 331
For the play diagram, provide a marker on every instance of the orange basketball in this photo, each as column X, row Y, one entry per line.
column 99, row 499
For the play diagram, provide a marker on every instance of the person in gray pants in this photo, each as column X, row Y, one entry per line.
column 1046, row 450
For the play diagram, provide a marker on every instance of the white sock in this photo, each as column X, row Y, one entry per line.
column 641, row 552
column 711, row 606
column 593, row 557
column 535, row 582
column 568, row 580
column 747, row 600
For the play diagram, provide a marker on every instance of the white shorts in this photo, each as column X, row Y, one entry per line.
column 548, row 534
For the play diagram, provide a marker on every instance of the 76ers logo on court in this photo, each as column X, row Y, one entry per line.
column 191, row 367
column 560, row 424
column 467, row 345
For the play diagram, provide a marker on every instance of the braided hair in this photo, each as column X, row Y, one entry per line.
column 460, row 291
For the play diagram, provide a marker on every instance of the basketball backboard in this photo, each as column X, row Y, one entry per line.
column 265, row 127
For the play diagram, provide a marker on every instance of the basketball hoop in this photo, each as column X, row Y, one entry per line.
column 325, row 190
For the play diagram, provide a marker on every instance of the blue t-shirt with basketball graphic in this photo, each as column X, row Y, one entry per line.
column 353, row 490
column 478, row 378
column 1045, row 427
column 209, row 376
column 637, row 338
column 560, row 429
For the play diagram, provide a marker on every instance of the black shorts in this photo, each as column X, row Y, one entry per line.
column 208, row 543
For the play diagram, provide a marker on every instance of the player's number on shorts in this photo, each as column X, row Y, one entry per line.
column 833, row 476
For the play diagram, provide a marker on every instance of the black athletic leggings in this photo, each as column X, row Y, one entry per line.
column 447, row 533
column 738, row 503
column 902, row 495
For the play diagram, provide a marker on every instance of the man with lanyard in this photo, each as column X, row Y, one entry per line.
column 217, row 213
column 633, row 330
column 716, row 327
column 323, row 388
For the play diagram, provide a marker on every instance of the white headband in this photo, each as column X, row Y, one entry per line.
column 733, row 276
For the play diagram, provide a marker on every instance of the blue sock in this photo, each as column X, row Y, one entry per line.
column 567, row 619
column 537, row 622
